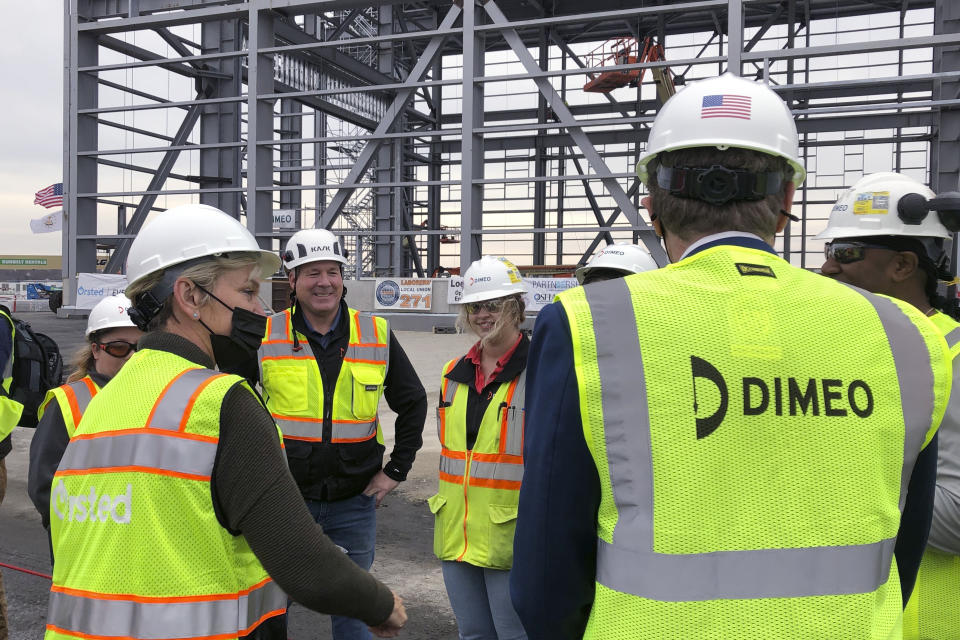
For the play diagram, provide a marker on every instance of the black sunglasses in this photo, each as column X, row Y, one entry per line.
column 117, row 348
column 847, row 252
column 490, row 306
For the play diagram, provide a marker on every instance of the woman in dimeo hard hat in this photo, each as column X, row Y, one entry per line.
column 480, row 425
column 886, row 235
column 111, row 340
column 615, row 261
column 173, row 503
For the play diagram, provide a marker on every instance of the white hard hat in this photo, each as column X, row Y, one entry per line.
column 626, row 258
column 188, row 232
column 876, row 206
column 491, row 277
column 109, row 313
column 725, row 112
column 312, row 245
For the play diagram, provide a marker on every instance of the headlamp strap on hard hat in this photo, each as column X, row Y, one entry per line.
column 718, row 185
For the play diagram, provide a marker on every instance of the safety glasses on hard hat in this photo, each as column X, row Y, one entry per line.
column 118, row 348
column 847, row 252
column 490, row 306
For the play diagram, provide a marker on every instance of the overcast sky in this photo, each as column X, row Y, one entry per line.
column 31, row 120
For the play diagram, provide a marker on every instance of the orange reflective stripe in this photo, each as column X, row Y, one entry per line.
column 504, row 421
column 157, row 599
column 356, row 322
column 280, row 416
column 494, row 484
column 159, row 432
column 382, row 363
column 348, row 440
column 133, row 469
column 156, row 405
column 498, row 458
column 308, row 357
column 301, row 438
column 222, row 636
column 193, row 399
column 457, row 455
column 72, row 403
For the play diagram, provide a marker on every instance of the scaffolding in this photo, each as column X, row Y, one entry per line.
column 410, row 125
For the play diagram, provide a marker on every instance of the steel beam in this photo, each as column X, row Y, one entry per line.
column 472, row 153
column 390, row 117
column 118, row 259
column 259, row 126
column 576, row 132
column 734, row 36
column 221, row 122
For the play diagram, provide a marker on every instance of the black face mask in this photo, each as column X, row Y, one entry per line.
column 237, row 352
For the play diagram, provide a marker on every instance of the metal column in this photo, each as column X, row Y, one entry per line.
column 260, row 127
column 471, row 161
column 221, row 122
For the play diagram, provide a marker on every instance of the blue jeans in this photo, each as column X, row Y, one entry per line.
column 481, row 602
column 352, row 524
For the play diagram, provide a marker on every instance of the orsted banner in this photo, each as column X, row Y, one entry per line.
column 93, row 287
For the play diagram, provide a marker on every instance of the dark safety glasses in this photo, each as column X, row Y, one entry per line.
column 847, row 252
column 490, row 306
column 118, row 348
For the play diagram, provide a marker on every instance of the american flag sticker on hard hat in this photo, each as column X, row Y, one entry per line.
column 725, row 106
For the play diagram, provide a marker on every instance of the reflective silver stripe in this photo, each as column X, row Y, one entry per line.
column 300, row 428
column 757, row 573
column 138, row 449
column 169, row 409
column 278, row 326
column 496, row 471
column 515, row 413
column 162, row 620
column 911, row 357
column 375, row 354
column 630, row 565
column 625, row 416
column 281, row 349
column 354, row 431
column 82, row 393
column 450, row 389
column 953, row 338
column 8, row 367
column 452, row 466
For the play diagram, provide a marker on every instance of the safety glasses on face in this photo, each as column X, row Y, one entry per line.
column 847, row 252
column 118, row 348
column 490, row 306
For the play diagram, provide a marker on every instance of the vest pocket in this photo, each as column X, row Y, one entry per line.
column 286, row 387
column 367, row 385
column 503, row 523
column 436, row 503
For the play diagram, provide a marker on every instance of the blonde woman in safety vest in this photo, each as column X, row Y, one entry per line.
column 172, row 513
column 111, row 340
column 480, row 425
column 887, row 235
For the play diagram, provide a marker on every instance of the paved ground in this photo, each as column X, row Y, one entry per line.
column 404, row 534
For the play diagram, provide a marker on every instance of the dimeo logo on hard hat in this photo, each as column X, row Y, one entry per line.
column 789, row 396
column 92, row 506
column 480, row 279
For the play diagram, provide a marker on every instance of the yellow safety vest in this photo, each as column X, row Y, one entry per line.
column 476, row 506
column 72, row 400
column 140, row 552
column 293, row 387
column 933, row 612
column 753, row 461
column 10, row 409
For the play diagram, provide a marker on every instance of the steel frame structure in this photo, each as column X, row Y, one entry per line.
column 392, row 123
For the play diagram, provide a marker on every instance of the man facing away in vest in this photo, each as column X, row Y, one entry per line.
column 324, row 368
column 886, row 235
column 722, row 448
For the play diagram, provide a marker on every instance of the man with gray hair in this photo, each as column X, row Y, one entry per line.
column 723, row 448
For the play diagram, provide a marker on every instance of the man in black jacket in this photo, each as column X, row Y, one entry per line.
column 324, row 368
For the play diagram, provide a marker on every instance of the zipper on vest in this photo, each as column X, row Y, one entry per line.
column 466, row 502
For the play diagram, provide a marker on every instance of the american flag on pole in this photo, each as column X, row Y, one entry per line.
column 50, row 197
column 725, row 106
